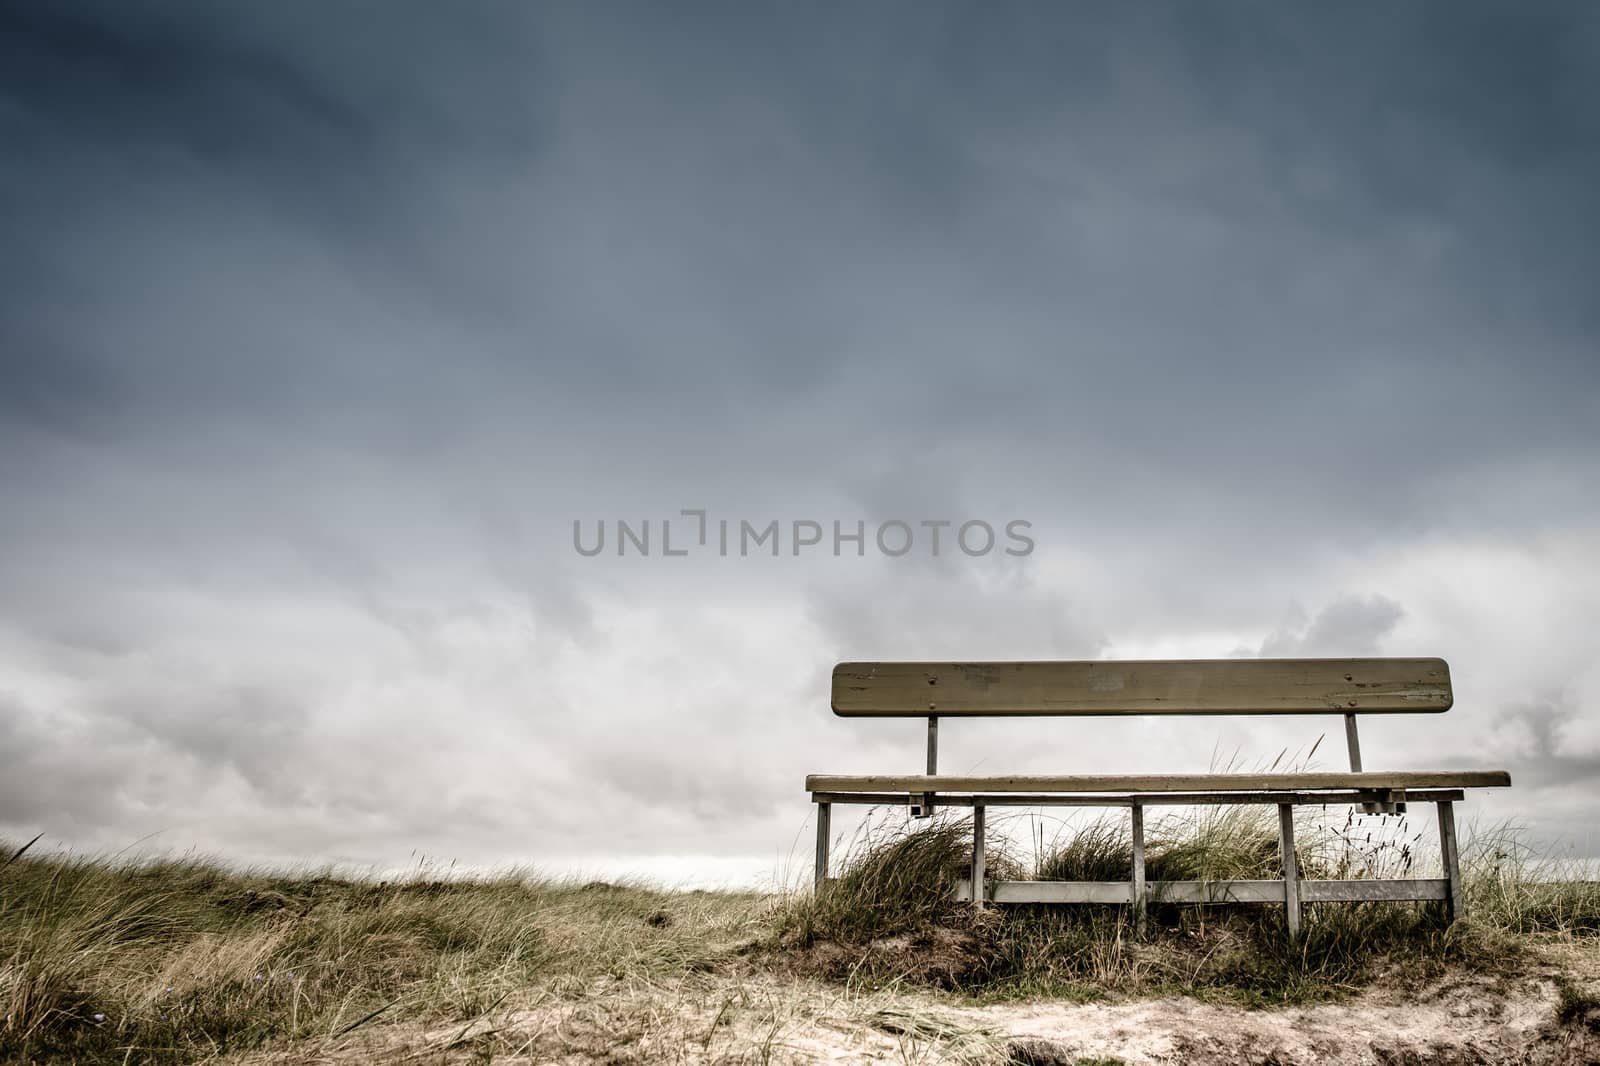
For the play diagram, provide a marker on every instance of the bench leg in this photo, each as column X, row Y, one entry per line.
column 977, row 854
column 1451, row 857
column 824, row 817
column 1137, row 811
column 1291, row 870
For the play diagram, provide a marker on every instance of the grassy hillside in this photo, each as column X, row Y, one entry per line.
column 183, row 961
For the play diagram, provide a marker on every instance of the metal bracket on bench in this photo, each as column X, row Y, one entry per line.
column 1384, row 801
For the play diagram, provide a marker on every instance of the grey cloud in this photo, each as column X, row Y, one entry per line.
column 319, row 327
column 1354, row 625
column 932, row 617
column 1533, row 738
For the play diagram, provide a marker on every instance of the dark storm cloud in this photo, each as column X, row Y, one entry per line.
column 319, row 326
column 760, row 200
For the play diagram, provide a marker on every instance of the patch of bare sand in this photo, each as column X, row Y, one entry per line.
column 1462, row 1021
column 721, row 1019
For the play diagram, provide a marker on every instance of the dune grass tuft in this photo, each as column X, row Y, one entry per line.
column 898, row 882
column 893, row 881
column 1511, row 887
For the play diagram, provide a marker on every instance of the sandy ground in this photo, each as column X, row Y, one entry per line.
column 1464, row 1019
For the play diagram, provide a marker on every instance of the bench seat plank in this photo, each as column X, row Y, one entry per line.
column 1299, row 798
column 1389, row 779
column 1130, row 687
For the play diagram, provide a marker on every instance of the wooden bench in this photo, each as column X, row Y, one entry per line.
column 1344, row 687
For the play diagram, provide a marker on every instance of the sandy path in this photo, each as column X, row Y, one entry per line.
column 1466, row 1019
column 1465, row 1022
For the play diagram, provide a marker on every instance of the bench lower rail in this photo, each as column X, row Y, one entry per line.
column 1433, row 888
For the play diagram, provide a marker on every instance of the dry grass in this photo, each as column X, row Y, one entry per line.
column 107, row 961
column 172, row 962
column 874, row 925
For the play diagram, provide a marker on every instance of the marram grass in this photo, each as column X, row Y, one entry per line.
column 180, row 961
column 106, row 961
column 898, row 883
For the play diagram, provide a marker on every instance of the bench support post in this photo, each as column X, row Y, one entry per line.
column 1136, row 809
column 824, row 812
column 1451, row 857
column 977, row 853
column 1291, row 870
column 924, row 807
column 1353, row 740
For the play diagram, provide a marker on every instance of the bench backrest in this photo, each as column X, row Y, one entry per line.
column 1137, row 687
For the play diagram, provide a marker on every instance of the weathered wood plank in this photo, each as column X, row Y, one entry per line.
column 824, row 828
column 1164, row 799
column 922, row 806
column 1130, row 687
column 977, row 855
column 1210, row 892
column 1377, row 889
column 1352, row 740
column 1217, row 891
column 1388, row 779
column 1452, row 861
column 1056, row 891
column 1291, row 869
column 1136, row 834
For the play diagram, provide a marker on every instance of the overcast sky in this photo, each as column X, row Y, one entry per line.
column 321, row 325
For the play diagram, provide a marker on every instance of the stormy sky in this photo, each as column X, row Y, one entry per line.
column 321, row 326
